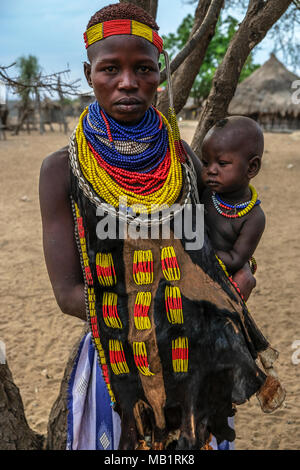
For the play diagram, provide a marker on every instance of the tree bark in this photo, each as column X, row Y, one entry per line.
column 206, row 17
column 39, row 108
column 148, row 5
column 15, row 434
column 260, row 17
column 57, row 424
column 21, row 120
column 63, row 119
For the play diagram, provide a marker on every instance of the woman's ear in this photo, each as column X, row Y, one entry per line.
column 254, row 165
column 87, row 73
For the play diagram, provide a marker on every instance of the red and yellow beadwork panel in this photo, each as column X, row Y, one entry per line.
column 143, row 267
column 106, row 270
column 141, row 311
column 117, row 357
column 82, row 240
column 110, row 310
column 141, row 358
column 180, row 354
column 169, row 264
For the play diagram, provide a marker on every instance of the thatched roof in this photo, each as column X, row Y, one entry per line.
column 268, row 90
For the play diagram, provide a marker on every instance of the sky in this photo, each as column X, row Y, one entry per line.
column 52, row 31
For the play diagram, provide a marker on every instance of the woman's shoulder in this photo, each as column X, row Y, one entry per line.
column 55, row 167
column 56, row 159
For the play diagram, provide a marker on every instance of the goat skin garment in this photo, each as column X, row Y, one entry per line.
column 92, row 423
column 175, row 342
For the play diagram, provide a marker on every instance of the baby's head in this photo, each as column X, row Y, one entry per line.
column 231, row 154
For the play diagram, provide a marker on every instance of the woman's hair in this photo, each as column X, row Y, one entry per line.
column 123, row 11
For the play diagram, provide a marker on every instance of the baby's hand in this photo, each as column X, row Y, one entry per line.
column 245, row 280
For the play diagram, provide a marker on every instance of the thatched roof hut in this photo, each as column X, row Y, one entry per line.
column 266, row 96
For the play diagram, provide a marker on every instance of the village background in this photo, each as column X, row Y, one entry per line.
column 38, row 337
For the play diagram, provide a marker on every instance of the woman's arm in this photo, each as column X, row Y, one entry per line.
column 60, row 249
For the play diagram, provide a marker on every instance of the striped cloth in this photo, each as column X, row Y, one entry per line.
column 92, row 423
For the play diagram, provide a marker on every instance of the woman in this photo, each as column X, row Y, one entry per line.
column 173, row 337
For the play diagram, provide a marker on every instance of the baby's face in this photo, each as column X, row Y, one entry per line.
column 223, row 170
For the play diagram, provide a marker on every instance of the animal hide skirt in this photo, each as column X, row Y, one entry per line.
column 92, row 422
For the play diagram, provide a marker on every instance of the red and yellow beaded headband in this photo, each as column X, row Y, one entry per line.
column 116, row 27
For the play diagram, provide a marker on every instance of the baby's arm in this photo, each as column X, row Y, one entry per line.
column 246, row 243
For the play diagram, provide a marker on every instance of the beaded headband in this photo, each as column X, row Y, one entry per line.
column 116, row 27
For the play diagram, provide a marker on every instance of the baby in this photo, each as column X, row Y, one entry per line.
column 231, row 157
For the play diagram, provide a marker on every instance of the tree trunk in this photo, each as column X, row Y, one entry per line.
column 63, row 119
column 184, row 77
column 260, row 17
column 21, row 121
column 15, row 434
column 149, row 5
column 40, row 112
column 57, row 424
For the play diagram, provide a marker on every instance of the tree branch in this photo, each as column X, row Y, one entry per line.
column 209, row 19
column 184, row 77
column 41, row 82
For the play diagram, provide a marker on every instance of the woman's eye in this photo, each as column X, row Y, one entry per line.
column 204, row 162
column 110, row 69
column 222, row 163
column 144, row 68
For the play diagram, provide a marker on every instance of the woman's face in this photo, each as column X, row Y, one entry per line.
column 124, row 73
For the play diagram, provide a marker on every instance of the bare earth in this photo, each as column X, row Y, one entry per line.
column 38, row 337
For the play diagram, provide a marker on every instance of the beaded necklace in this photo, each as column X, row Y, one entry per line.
column 226, row 209
column 139, row 143
column 160, row 186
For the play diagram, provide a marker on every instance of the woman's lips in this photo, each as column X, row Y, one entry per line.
column 128, row 104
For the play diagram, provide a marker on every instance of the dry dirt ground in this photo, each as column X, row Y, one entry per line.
column 38, row 336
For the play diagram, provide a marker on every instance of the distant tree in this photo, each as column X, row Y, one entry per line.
column 29, row 69
column 31, row 83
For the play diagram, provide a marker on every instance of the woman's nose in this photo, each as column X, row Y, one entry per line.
column 128, row 80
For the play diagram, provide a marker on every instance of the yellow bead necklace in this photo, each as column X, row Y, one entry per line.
column 112, row 192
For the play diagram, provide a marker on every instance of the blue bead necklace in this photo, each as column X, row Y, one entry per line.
column 140, row 148
column 241, row 205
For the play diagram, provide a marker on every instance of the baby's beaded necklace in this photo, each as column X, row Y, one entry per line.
column 225, row 209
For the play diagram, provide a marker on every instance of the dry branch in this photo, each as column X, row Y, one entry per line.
column 41, row 82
